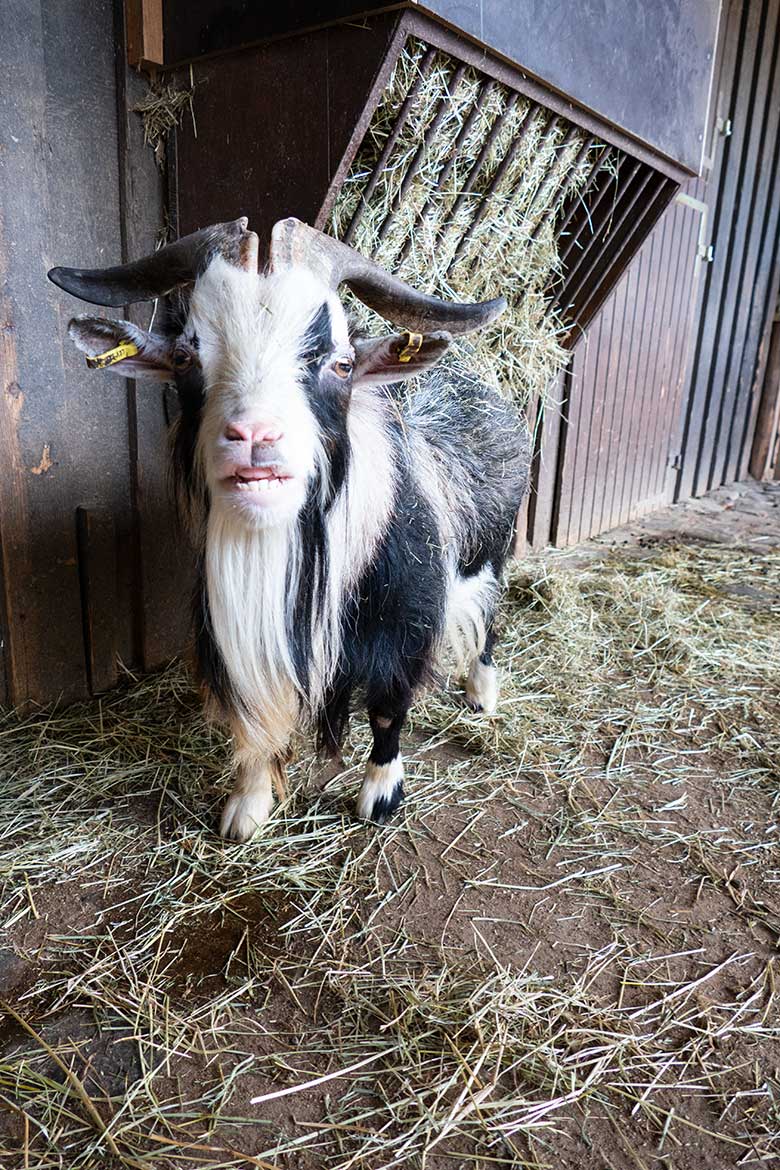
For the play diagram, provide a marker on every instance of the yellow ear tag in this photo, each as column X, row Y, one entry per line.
column 413, row 346
column 112, row 356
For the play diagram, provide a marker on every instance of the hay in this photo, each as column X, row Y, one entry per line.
column 422, row 226
column 161, row 109
column 586, row 840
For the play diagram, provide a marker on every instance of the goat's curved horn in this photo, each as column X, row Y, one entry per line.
column 295, row 243
column 168, row 268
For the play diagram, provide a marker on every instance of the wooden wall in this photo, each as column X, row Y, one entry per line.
column 739, row 292
column 662, row 396
column 84, row 519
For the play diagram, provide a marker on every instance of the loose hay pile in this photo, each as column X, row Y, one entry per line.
column 436, row 187
column 563, row 955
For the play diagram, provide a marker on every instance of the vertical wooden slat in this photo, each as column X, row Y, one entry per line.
column 98, row 575
column 759, row 267
column 602, row 441
column 688, row 266
column 144, row 25
column 641, row 349
column 741, row 38
column 658, row 370
column 542, row 501
column 162, row 563
column 626, row 388
column 751, row 126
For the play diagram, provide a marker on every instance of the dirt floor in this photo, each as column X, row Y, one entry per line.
column 563, row 954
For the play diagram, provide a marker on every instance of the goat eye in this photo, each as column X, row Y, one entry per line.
column 343, row 367
column 182, row 358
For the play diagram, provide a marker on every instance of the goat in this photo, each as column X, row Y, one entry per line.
column 344, row 532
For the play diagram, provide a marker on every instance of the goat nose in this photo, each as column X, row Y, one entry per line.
column 259, row 434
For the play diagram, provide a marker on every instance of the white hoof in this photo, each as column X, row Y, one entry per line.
column 482, row 687
column 245, row 812
column 382, row 791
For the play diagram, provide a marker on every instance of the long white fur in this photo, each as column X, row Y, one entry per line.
column 469, row 602
column 249, row 337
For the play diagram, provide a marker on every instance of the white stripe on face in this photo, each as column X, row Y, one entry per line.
column 250, row 331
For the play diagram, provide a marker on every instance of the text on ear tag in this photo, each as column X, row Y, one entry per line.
column 112, row 356
column 413, row 346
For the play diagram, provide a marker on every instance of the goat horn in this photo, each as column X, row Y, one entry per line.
column 295, row 243
column 168, row 268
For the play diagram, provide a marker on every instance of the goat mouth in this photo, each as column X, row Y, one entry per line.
column 257, row 481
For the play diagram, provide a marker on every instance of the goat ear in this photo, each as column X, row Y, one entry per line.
column 391, row 359
column 122, row 348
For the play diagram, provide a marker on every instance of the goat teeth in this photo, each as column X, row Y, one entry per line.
column 258, row 485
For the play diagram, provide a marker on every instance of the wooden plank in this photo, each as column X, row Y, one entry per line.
column 706, row 387
column 688, row 268
column 98, row 577
column 763, row 460
column 162, row 561
column 65, row 436
column 757, row 276
column 278, row 126
column 626, row 307
column 609, row 391
column 543, row 501
column 582, row 406
column 759, row 364
column 646, row 399
column 751, row 125
column 641, row 341
column 627, row 385
column 659, row 367
column 144, row 33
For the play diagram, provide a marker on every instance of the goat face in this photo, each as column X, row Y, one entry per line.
column 274, row 362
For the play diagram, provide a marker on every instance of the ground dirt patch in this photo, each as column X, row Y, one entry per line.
column 561, row 955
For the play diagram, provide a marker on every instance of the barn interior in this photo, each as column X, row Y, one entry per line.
column 564, row 952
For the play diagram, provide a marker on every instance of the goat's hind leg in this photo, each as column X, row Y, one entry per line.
column 482, row 678
column 383, row 785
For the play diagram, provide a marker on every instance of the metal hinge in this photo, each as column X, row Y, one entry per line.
column 724, row 127
column 675, row 461
column 706, row 252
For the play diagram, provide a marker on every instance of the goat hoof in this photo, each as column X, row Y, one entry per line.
column 382, row 791
column 244, row 813
column 482, row 688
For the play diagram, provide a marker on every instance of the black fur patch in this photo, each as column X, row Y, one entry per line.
column 190, row 390
column 385, row 807
column 393, row 620
column 312, row 582
column 328, row 396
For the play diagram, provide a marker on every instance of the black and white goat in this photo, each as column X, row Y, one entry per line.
column 344, row 533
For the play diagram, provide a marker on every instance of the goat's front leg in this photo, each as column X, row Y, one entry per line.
column 252, row 799
column 383, row 786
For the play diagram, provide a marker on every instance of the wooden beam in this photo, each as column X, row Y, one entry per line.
column 144, row 32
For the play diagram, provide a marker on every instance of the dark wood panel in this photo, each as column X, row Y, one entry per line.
column 623, row 419
column 741, row 51
column 757, row 276
column 163, row 570
column 736, row 225
column 64, row 435
column 268, row 156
